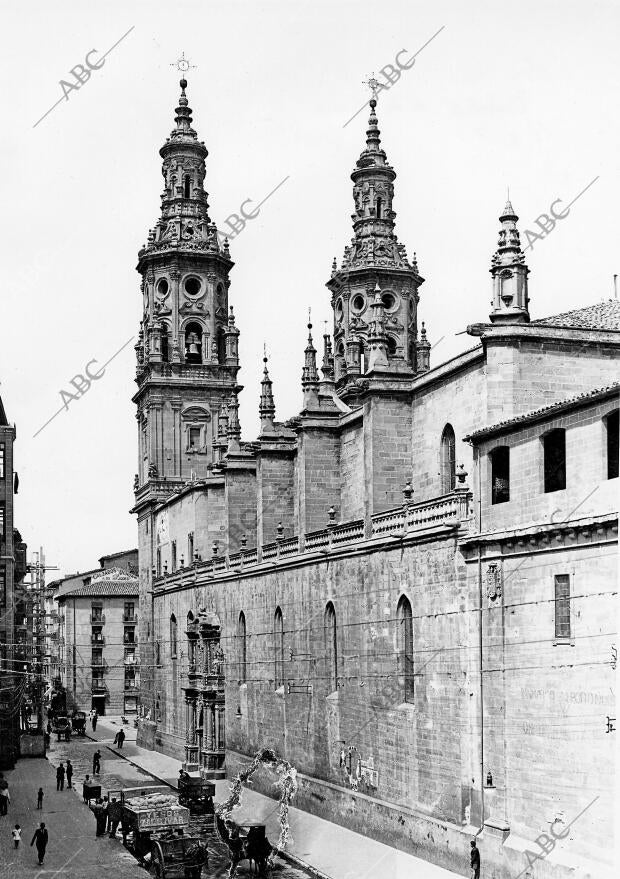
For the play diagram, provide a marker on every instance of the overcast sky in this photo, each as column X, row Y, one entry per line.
column 522, row 95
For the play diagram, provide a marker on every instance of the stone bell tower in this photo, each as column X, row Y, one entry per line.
column 375, row 292
column 187, row 356
column 509, row 273
column 187, row 352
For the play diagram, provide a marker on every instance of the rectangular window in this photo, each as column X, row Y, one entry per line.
column 129, row 611
column 612, row 445
column 193, row 438
column 96, row 613
column 130, row 655
column 500, row 475
column 130, row 635
column 554, row 451
column 173, row 563
column 158, row 562
column 1, row 460
column 97, row 657
column 97, row 635
column 1, row 521
column 562, row 606
column 2, row 588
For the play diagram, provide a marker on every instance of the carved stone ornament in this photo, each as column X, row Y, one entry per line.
column 494, row 581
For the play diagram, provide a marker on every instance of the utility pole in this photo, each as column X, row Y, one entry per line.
column 39, row 632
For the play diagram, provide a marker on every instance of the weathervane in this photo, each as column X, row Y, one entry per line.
column 182, row 64
column 373, row 84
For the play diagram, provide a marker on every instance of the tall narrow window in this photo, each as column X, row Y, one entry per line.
column 363, row 358
column 173, row 636
column 186, row 185
column 165, row 351
column 562, row 606
column 278, row 640
column 554, row 452
column 405, row 647
column 448, row 459
column 379, row 208
column 190, row 547
column 173, row 562
column 331, row 646
column 243, row 649
column 158, row 569
column 500, row 475
column 1, row 460
column 612, row 445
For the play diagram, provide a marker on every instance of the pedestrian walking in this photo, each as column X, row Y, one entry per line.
column 121, row 737
column 5, row 798
column 40, row 839
column 93, row 720
column 96, row 762
column 69, row 771
column 101, row 816
column 49, row 727
column 40, row 796
column 60, row 777
column 16, row 833
column 475, row 861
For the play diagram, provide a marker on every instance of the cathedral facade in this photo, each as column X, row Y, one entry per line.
column 407, row 589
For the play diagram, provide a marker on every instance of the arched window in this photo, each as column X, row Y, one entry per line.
column 379, row 208
column 278, row 639
column 363, row 358
column 243, row 649
column 448, row 459
column 186, row 185
column 405, row 647
column 173, row 636
column 221, row 345
column 193, row 343
column 331, row 646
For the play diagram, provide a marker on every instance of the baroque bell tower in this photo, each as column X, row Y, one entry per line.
column 375, row 291
column 187, row 351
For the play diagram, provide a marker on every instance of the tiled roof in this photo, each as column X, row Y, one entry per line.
column 544, row 411
column 111, row 588
column 602, row 316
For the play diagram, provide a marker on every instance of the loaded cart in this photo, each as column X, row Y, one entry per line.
column 78, row 722
column 196, row 793
column 143, row 814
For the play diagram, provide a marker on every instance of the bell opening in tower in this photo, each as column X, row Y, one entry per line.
column 193, row 343
column 186, row 185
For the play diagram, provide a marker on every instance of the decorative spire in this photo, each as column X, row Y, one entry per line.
column 234, row 428
column 377, row 339
column 423, row 352
column 309, row 373
column 267, row 406
column 509, row 273
column 327, row 367
column 183, row 118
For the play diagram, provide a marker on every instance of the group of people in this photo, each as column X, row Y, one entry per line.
column 40, row 837
column 61, row 772
column 107, row 817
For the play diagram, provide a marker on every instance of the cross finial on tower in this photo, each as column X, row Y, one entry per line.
column 182, row 64
column 373, row 84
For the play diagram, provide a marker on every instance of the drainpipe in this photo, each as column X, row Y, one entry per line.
column 480, row 640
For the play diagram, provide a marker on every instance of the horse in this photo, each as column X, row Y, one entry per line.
column 254, row 847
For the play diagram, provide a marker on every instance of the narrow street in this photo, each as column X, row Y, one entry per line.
column 74, row 850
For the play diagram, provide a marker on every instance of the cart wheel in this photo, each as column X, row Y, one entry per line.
column 156, row 867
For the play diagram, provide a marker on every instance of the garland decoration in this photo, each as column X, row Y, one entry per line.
column 286, row 784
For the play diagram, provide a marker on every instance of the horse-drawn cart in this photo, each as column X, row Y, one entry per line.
column 78, row 722
column 143, row 813
column 196, row 793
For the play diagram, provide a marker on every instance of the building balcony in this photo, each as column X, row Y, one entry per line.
column 98, row 663
column 130, row 618
column 97, row 639
column 98, row 687
column 97, row 619
column 131, row 686
column 130, row 642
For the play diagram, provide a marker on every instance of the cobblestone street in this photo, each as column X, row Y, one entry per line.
column 117, row 772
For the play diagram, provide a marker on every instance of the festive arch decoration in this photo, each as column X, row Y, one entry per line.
column 286, row 784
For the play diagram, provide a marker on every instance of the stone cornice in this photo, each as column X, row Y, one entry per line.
column 540, row 332
column 538, row 536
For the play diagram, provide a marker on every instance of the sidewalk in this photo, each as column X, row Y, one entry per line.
column 73, row 850
column 327, row 848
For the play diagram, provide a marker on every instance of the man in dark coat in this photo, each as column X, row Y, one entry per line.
column 121, row 737
column 96, row 762
column 40, row 840
column 60, row 777
column 69, row 773
column 475, row 861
